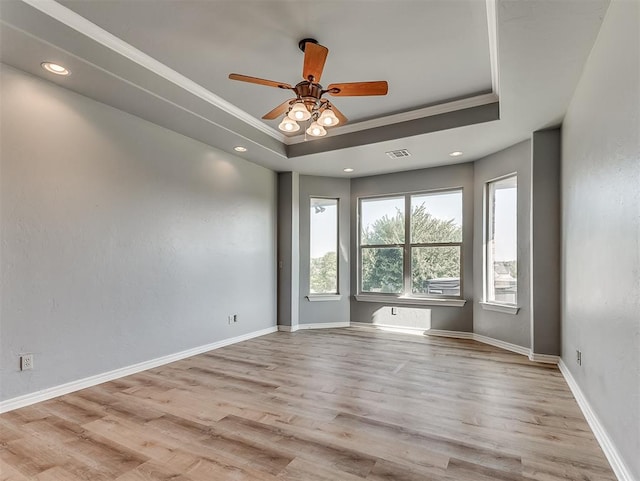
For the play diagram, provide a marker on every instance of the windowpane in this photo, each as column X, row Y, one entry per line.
column 382, row 269
column 436, row 217
column 435, row 270
column 324, row 246
column 382, row 221
column 502, row 266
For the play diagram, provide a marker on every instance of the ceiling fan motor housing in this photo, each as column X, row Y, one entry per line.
column 310, row 93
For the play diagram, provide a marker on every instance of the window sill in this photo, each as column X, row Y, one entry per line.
column 487, row 306
column 416, row 301
column 323, row 297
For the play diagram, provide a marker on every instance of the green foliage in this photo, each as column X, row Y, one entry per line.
column 382, row 269
column 323, row 276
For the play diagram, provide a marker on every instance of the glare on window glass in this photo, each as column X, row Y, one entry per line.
column 323, row 267
column 502, row 256
column 382, row 221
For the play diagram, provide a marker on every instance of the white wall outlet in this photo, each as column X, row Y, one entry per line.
column 230, row 319
column 579, row 357
column 235, row 318
column 26, row 362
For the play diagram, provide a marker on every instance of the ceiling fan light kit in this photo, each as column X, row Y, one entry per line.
column 308, row 105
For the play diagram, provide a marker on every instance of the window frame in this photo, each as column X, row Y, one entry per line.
column 324, row 295
column 407, row 247
column 511, row 308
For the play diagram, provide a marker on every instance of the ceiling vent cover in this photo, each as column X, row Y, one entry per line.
column 397, row 154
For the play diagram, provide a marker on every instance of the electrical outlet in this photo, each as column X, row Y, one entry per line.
column 579, row 357
column 235, row 318
column 230, row 319
column 26, row 362
column 394, row 311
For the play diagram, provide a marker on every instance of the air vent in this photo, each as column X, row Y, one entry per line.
column 397, row 154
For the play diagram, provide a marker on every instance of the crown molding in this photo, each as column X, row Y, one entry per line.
column 80, row 24
column 492, row 27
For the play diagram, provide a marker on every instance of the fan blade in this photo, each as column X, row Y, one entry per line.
column 354, row 89
column 260, row 81
column 314, row 57
column 279, row 110
column 341, row 117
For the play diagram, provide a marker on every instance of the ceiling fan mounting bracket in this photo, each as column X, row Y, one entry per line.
column 302, row 43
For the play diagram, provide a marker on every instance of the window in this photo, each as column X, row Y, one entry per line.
column 323, row 269
column 419, row 255
column 501, row 270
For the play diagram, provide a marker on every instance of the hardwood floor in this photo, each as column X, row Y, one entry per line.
column 326, row 405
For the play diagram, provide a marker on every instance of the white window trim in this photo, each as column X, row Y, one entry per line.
column 326, row 296
column 323, row 297
column 504, row 308
column 448, row 301
column 416, row 301
column 485, row 303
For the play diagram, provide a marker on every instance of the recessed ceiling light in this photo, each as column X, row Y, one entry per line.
column 456, row 153
column 55, row 68
column 348, row 169
column 239, row 148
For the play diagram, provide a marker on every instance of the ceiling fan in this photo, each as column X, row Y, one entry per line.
column 309, row 104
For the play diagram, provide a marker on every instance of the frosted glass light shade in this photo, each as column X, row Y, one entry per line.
column 299, row 112
column 288, row 125
column 316, row 130
column 328, row 118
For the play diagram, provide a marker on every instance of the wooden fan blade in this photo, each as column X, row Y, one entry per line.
column 353, row 89
column 260, row 81
column 278, row 111
column 341, row 117
column 314, row 57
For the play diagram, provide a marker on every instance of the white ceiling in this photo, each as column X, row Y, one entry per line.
column 168, row 62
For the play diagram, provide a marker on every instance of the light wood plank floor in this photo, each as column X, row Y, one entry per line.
column 328, row 405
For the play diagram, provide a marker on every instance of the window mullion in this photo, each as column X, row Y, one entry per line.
column 407, row 245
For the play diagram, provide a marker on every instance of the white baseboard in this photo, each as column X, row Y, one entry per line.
column 317, row 325
column 525, row 351
column 480, row 338
column 52, row 392
column 619, row 467
column 323, row 325
column 453, row 334
column 287, row 328
column 544, row 358
column 391, row 328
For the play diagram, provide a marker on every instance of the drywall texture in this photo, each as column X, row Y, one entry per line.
column 326, row 311
column 601, row 231
column 512, row 328
column 453, row 176
column 545, row 242
column 288, row 248
column 121, row 241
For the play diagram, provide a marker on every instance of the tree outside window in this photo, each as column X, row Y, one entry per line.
column 418, row 255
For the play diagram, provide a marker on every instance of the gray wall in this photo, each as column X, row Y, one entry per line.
column 601, row 230
column 512, row 328
column 325, row 311
column 460, row 175
column 288, row 248
column 121, row 241
column 545, row 242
